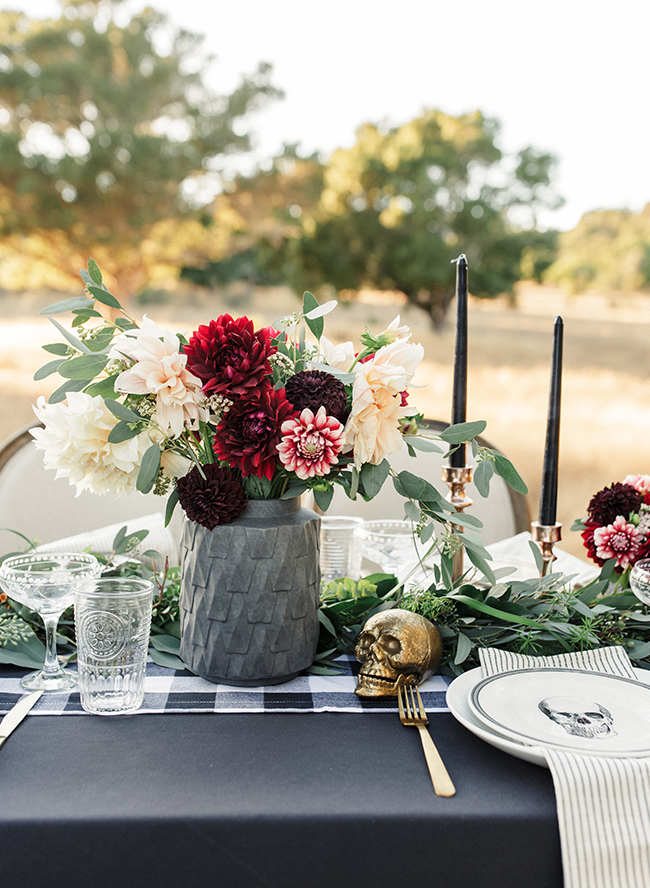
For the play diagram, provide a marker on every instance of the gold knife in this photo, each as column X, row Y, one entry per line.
column 16, row 714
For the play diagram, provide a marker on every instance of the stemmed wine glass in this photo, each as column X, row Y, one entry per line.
column 640, row 580
column 44, row 582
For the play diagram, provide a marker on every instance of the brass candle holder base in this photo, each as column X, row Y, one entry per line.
column 456, row 477
column 547, row 535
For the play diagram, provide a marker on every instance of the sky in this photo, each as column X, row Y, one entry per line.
column 566, row 76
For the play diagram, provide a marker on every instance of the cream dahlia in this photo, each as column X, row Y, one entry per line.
column 160, row 370
column 373, row 428
column 638, row 482
column 310, row 443
column 619, row 540
column 75, row 441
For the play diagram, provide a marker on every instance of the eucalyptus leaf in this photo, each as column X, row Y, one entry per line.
column 149, row 469
column 104, row 297
column 94, row 272
column 323, row 498
column 482, row 475
column 104, row 388
column 168, row 661
column 537, row 555
column 73, row 340
column 462, row 431
column 70, row 385
column 172, row 500
column 73, row 304
column 122, row 411
column 372, row 477
column 49, row 368
column 354, row 486
column 56, row 348
column 508, row 472
column 463, row 648
column 411, row 511
column 310, row 309
column 426, row 445
column 123, row 431
column 83, row 367
column 167, row 643
column 427, row 532
column 346, row 378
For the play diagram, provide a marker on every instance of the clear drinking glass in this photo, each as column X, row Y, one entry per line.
column 392, row 545
column 640, row 580
column 43, row 581
column 112, row 620
column 339, row 552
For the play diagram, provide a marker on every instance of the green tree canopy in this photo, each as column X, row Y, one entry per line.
column 401, row 203
column 107, row 129
column 608, row 251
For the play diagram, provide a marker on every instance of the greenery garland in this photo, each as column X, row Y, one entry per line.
column 535, row 616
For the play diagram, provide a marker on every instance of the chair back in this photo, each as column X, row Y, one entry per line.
column 45, row 508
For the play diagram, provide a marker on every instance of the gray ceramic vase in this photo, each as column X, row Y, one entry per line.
column 249, row 595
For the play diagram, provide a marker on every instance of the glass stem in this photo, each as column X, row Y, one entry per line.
column 51, row 663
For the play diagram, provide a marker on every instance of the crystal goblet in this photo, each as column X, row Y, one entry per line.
column 640, row 580
column 44, row 582
column 390, row 544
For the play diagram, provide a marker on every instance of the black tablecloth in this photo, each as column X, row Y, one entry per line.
column 327, row 800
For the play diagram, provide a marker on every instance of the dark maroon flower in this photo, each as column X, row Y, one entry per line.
column 588, row 538
column 316, row 388
column 215, row 499
column 230, row 357
column 609, row 503
column 247, row 437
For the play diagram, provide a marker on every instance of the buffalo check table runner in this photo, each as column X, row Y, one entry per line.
column 169, row 690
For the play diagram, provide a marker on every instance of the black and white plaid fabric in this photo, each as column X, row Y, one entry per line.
column 168, row 690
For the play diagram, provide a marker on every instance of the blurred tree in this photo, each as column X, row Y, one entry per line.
column 258, row 211
column 608, row 251
column 401, row 203
column 107, row 130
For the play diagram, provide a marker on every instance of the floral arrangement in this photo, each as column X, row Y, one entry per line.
column 234, row 413
column 617, row 525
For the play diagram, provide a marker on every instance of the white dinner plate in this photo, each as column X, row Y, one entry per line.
column 458, row 694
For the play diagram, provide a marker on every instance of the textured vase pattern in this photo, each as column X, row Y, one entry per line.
column 249, row 598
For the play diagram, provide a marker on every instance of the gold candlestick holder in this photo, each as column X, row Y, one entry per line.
column 456, row 477
column 547, row 535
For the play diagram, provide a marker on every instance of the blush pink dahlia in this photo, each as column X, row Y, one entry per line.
column 619, row 540
column 230, row 357
column 310, row 444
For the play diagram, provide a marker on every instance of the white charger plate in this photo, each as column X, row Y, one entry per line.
column 458, row 694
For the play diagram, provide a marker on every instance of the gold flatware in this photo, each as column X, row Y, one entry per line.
column 16, row 714
column 412, row 714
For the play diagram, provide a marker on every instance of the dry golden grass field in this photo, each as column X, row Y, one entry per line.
column 605, row 405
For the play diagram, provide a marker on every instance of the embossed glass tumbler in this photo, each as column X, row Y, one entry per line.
column 112, row 619
column 339, row 553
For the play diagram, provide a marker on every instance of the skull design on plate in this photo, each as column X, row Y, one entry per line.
column 579, row 717
column 396, row 648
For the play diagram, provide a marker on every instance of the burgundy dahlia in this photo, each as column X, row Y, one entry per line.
column 247, row 437
column 215, row 499
column 230, row 357
column 619, row 499
column 316, row 388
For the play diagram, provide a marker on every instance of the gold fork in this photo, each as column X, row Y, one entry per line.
column 412, row 714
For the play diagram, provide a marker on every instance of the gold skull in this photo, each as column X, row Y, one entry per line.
column 397, row 648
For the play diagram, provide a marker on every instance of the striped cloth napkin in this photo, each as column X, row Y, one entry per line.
column 603, row 803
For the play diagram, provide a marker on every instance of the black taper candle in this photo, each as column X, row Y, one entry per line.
column 548, row 495
column 459, row 401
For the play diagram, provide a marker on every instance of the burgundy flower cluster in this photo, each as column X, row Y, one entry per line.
column 618, row 523
column 232, row 359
